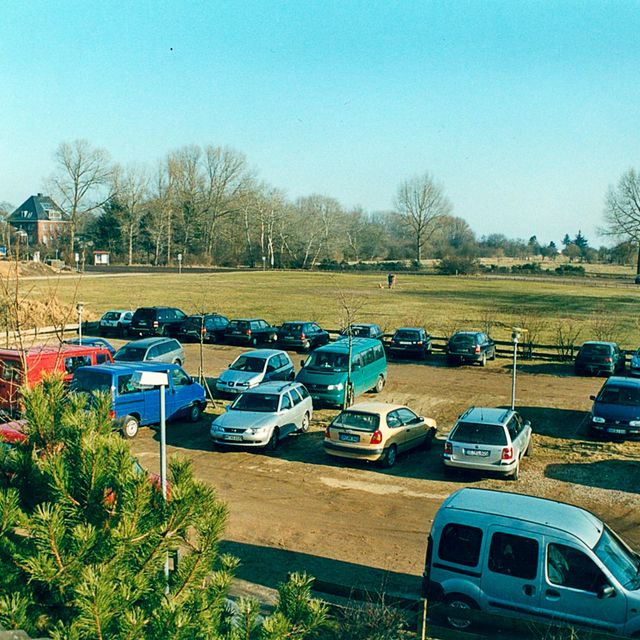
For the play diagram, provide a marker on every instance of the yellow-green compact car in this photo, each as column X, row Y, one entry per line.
column 378, row 432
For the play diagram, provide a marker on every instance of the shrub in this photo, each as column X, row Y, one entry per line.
column 458, row 265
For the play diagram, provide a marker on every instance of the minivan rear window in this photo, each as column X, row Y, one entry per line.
column 144, row 313
column 407, row 335
column 478, row 433
column 460, row 544
column 357, row 420
column 292, row 328
column 463, row 339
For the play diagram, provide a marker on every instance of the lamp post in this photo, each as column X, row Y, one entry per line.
column 516, row 332
column 159, row 380
column 80, row 309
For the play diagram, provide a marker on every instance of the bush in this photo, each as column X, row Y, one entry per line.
column 334, row 265
column 569, row 270
column 527, row 267
column 458, row 265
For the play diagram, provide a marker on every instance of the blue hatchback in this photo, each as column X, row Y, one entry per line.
column 133, row 407
column 616, row 408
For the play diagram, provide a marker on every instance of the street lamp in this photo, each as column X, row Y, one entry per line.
column 159, row 380
column 516, row 333
column 80, row 309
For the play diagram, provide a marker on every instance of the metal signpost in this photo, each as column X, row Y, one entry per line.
column 79, row 309
column 516, row 332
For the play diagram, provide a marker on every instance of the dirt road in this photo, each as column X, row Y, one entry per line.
column 360, row 525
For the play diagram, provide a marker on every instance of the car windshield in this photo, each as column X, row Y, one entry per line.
column 595, row 350
column 291, row 328
column 327, row 360
column 358, row 330
column 614, row 394
column 130, row 354
column 248, row 363
column 623, row 563
column 357, row 420
column 90, row 381
column 478, row 433
column 463, row 339
column 403, row 334
column 238, row 324
column 261, row 402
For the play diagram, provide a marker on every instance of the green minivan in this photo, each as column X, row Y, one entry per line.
column 324, row 373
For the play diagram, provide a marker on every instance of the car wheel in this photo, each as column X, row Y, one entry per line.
column 380, row 382
column 306, row 421
column 516, row 473
column 195, row 412
column 130, row 427
column 272, row 445
column 493, row 354
column 483, row 360
column 459, row 601
column 390, row 456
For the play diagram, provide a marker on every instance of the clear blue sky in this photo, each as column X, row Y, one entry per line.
column 524, row 111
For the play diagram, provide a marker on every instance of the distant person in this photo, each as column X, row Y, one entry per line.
column 391, row 280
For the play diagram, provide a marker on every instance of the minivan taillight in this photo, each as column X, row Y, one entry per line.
column 507, row 453
column 155, row 323
column 376, row 438
column 448, row 448
column 477, row 348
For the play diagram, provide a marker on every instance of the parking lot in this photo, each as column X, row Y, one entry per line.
column 360, row 525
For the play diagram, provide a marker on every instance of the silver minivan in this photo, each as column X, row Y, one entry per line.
column 151, row 349
column 520, row 556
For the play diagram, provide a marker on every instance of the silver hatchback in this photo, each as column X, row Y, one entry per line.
column 488, row 439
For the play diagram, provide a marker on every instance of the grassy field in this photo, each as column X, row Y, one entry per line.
column 441, row 304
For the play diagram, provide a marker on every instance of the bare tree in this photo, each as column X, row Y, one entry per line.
column 622, row 210
column 421, row 202
column 131, row 186
column 81, row 182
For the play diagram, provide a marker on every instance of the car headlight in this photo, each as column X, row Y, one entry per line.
column 634, row 423
column 597, row 419
column 215, row 427
column 335, row 387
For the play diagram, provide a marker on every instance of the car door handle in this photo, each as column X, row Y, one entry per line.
column 529, row 590
column 552, row 594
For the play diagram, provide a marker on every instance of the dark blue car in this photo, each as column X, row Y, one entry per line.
column 90, row 341
column 134, row 407
column 616, row 408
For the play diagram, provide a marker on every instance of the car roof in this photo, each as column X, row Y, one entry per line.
column 342, row 346
column 379, row 408
column 298, row 322
column 409, row 329
column 247, row 319
column 117, row 311
column 263, row 353
column 565, row 517
column 127, row 367
column 466, row 333
column 148, row 342
column 363, row 324
column 486, row 415
column 622, row 381
column 62, row 349
column 274, row 386
column 602, row 342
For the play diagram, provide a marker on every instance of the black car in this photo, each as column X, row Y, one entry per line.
column 412, row 341
column 470, row 346
column 211, row 326
column 599, row 357
column 156, row 321
column 251, row 331
column 301, row 335
column 363, row 330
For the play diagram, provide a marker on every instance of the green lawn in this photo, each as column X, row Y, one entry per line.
column 439, row 303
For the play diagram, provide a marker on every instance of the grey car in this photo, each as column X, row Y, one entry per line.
column 263, row 416
column 488, row 439
column 254, row 367
column 151, row 350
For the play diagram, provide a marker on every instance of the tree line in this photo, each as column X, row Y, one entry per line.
column 206, row 204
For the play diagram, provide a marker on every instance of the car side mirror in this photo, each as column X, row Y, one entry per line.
column 302, row 364
column 606, row 591
column 592, row 397
column 527, row 423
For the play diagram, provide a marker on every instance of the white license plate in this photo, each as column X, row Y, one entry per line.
column 616, row 431
column 480, row 453
column 347, row 437
column 234, row 438
column 400, row 342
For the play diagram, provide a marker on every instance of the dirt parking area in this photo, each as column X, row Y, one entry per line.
column 357, row 524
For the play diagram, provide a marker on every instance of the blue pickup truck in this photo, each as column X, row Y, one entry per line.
column 133, row 407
